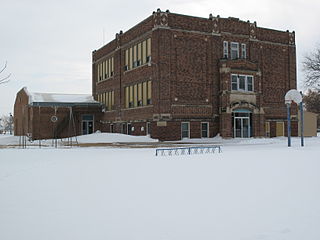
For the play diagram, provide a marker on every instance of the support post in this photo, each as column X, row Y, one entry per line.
column 301, row 124
column 289, row 124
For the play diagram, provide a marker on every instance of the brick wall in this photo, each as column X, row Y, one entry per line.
column 190, row 79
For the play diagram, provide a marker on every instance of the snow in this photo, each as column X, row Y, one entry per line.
column 90, row 138
column 112, row 137
column 59, row 97
column 255, row 189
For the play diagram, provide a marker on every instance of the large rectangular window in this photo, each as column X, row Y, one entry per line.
column 242, row 83
column 138, row 95
column 105, row 69
column 138, row 54
column 234, row 50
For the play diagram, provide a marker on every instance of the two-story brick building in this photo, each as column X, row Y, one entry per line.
column 175, row 76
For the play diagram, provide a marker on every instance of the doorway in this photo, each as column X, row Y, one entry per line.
column 87, row 124
column 242, row 123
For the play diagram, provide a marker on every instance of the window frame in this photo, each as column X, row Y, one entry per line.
column 188, row 123
column 246, row 85
column 225, row 49
column 243, row 50
column 232, row 49
column 208, row 135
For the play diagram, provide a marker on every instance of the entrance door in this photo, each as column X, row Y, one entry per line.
column 87, row 124
column 241, row 126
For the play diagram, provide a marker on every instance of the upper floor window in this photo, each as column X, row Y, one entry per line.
column 105, row 69
column 225, row 49
column 107, row 98
column 138, row 54
column 234, row 50
column 243, row 50
column 138, row 95
column 242, row 83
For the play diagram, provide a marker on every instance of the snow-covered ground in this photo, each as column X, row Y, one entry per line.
column 255, row 189
column 91, row 138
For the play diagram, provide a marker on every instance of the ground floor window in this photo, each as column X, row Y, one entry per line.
column 185, row 130
column 241, row 123
column 111, row 128
column 204, row 129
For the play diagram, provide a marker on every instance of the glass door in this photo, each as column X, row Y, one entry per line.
column 242, row 127
column 87, row 124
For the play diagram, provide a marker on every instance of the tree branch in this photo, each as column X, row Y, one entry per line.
column 5, row 79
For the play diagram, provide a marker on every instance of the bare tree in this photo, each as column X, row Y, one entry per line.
column 6, row 123
column 6, row 78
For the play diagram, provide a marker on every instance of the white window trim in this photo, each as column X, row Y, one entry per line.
column 246, row 82
column 188, row 129
column 232, row 48
column 225, row 49
column 207, row 130
column 243, row 50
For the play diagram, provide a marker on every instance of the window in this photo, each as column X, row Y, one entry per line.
column 138, row 54
column 149, row 92
column 144, row 93
column 242, row 83
column 250, row 83
column 185, row 130
column 243, row 51
column 204, row 129
column 225, row 49
column 148, row 50
column 234, row 82
column 107, row 98
column 105, row 69
column 138, row 95
column 126, row 97
column 234, row 50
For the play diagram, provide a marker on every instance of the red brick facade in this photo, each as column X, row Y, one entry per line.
column 191, row 78
column 35, row 121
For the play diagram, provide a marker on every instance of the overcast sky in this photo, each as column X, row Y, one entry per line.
column 48, row 44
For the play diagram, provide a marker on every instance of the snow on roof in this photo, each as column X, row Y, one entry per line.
column 59, row 97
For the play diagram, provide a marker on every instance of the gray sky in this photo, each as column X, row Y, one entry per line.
column 48, row 44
